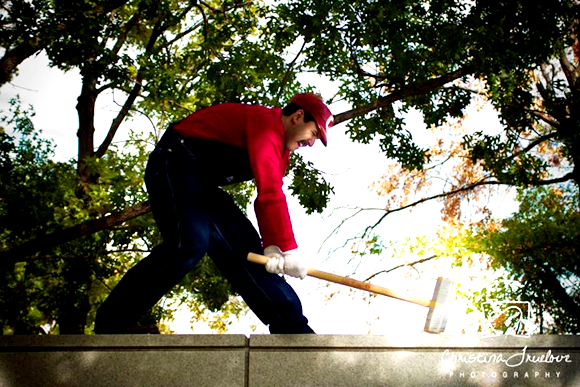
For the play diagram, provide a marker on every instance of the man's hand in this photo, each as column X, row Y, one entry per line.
column 289, row 262
column 276, row 262
column 294, row 264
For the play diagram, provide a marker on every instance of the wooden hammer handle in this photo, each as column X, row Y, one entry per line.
column 262, row 259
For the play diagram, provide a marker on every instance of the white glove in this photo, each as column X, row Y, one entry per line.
column 276, row 262
column 294, row 264
column 288, row 262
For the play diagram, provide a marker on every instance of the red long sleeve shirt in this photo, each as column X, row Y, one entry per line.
column 259, row 130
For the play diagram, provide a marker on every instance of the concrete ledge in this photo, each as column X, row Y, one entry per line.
column 289, row 360
column 419, row 360
column 108, row 342
column 419, row 341
column 124, row 360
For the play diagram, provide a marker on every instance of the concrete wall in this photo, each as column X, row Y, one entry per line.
column 293, row 360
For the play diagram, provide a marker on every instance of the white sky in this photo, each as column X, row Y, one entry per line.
column 350, row 168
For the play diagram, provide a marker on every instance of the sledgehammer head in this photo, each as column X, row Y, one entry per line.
column 437, row 315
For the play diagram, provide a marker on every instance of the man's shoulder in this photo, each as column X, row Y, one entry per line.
column 264, row 126
column 262, row 115
column 255, row 112
column 260, row 109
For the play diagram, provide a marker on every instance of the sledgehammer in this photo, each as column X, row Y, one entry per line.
column 436, row 317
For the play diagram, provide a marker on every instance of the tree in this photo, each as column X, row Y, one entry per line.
column 58, row 289
column 179, row 46
column 30, row 27
column 411, row 64
column 189, row 56
column 440, row 59
column 538, row 248
column 412, row 52
column 388, row 58
column 436, row 58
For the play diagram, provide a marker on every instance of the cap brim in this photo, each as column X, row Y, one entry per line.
column 321, row 133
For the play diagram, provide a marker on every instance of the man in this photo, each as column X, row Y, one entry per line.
column 216, row 146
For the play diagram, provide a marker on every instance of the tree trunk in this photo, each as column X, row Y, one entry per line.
column 562, row 299
column 86, row 112
column 75, row 304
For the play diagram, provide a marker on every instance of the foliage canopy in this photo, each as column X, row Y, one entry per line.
column 168, row 58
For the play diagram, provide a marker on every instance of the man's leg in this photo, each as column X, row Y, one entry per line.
column 177, row 201
column 269, row 296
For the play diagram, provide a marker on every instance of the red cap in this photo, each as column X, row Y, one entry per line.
column 318, row 109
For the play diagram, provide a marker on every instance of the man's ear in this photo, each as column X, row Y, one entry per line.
column 297, row 115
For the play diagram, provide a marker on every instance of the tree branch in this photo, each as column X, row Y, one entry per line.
column 25, row 250
column 187, row 31
column 400, row 266
column 533, row 144
column 567, row 177
column 13, row 57
column 16, row 55
column 570, row 71
column 204, row 18
column 409, row 91
column 225, row 10
column 290, row 66
column 155, row 34
column 182, row 34
column 342, row 223
column 127, row 27
column 542, row 116
column 387, row 212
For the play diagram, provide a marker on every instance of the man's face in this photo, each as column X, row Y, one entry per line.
column 299, row 133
